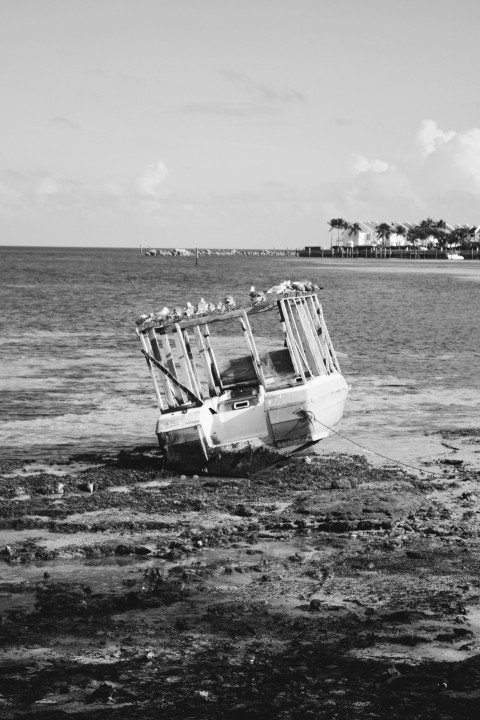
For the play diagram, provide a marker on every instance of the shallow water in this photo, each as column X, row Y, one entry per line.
column 72, row 378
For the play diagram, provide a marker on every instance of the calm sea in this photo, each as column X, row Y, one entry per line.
column 72, row 378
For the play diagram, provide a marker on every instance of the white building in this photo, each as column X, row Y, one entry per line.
column 361, row 237
column 365, row 234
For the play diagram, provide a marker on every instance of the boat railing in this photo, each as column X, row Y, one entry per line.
column 307, row 336
column 182, row 356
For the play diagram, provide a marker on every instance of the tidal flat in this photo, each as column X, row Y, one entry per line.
column 324, row 587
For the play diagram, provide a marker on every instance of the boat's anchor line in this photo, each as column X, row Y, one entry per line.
column 311, row 417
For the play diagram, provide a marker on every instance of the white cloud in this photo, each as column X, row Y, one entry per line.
column 431, row 138
column 438, row 175
column 150, row 182
column 42, row 190
column 361, row 164
column 46, row 186
column 454, row 165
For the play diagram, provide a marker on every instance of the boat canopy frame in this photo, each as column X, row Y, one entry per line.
column 181, row 355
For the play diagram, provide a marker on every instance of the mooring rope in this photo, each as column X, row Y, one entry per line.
column 312, row 418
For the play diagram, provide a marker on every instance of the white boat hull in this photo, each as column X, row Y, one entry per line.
column 244, row 434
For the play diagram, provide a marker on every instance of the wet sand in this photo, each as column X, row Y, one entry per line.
column 326, row 587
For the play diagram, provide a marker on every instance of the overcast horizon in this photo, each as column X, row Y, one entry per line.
column 234, row 123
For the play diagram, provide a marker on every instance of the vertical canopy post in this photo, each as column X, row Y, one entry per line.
column 247, row 331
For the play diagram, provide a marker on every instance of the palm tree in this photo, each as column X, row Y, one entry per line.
column 429, row 228
column 353, row 228
column 428, row 224
column 459, row 236
column 421, row 231
column 337, row 224
column 414, row 234
column 383, row 231
column 341, row 225
column 400, row 229
column 333, row 224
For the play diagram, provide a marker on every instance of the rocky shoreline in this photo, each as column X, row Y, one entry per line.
column 324, row 588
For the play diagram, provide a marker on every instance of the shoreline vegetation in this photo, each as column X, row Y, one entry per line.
column 322, row 587
column 426, row 239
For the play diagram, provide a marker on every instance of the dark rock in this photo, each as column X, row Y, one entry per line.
column 173, row 554
column 463, row 632
column 211, row 483
column 243, row 510
column 132, row 600
column 410, row 640
column 142, row 550
column 125, row 550
column 401, row 616
column 102, row 693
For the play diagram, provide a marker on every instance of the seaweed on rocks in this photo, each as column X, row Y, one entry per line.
column 327, row 588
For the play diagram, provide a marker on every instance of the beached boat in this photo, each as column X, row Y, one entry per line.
column 454, row 256
column 232, row 402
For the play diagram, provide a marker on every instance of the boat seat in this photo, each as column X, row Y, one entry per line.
column 278, row 364
column 239, row 371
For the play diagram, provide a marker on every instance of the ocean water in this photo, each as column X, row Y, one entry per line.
column 73, row 380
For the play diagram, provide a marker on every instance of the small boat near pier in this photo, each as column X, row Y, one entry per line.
column 233, row 401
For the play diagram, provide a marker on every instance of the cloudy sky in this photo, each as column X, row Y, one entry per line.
column 234, row 123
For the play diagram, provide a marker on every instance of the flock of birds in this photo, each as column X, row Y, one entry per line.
column 286, row 288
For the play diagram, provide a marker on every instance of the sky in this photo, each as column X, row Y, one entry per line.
column 234, row 123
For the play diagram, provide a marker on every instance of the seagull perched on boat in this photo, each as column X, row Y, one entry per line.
column 163, row 314
column 220, row 307
column 284, row 287
column 211, row 307
column 201, row 308
column 189, row 310
column 230, row 303
column 300, row 285
column 311, row 287
column 256, row 296
column 140, row 320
